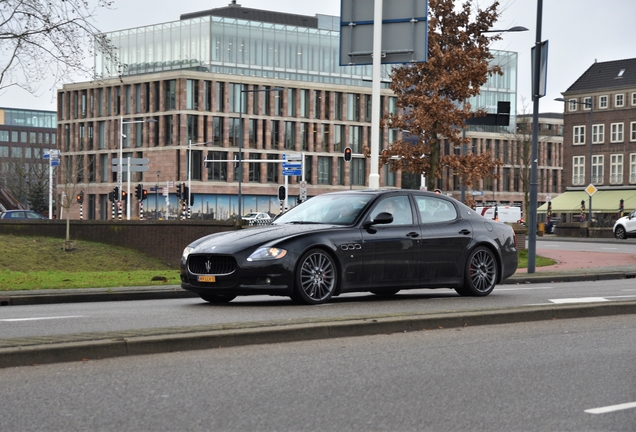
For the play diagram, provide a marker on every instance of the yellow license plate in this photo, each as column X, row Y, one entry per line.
column 206, row 278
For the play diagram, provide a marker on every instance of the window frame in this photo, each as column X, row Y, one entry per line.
column 616, row 135
column 578, row 135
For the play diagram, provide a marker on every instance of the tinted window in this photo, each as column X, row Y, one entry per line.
column 398, row 206
column 433, row 209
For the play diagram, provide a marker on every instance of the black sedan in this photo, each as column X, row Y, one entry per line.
column 381, row 241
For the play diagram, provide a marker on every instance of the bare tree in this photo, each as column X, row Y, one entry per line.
column 71, row 178
column 431, row 96
column 40, row 39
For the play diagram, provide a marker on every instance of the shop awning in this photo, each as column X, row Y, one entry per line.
column 603, row 201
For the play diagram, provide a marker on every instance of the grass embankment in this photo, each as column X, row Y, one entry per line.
column 31, row 263
column 539, row 260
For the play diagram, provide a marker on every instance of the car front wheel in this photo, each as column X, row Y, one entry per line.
column 620, row 233
column 316, row 278
column 481, row 273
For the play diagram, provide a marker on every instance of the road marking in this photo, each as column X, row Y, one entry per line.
column 611, row 408
column 40, row 318
column 609, row 248
column 579, row 300
column 524, row 289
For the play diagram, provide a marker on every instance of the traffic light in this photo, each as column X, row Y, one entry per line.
column 116, row 193
column 139, row 191
column 144, row 194
column 192, row 200
column 186, row 192
column 347, row 154
column 124, row 195
column 111, row 196
column 179, row 192
column 281, row 193
column 80, row 197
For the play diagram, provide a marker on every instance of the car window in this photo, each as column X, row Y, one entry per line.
column 327, row 209
column 433, row 209
column 398, row 206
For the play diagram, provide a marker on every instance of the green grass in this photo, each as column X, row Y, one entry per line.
column 539, row 260
column 32, row 263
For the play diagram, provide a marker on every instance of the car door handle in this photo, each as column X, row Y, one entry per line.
column 413, row 234
column 464, row 231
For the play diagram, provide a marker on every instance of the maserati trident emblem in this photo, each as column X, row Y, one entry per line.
column 208, row 266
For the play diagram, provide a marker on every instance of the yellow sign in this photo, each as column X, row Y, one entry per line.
column 591, row 189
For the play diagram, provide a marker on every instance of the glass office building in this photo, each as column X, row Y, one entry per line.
column 190, row 90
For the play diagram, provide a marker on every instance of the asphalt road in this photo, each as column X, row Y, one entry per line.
column 559, row 375
column 59, row 319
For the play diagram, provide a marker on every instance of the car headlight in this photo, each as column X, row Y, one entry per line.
column 266, row 253
column 187, row 251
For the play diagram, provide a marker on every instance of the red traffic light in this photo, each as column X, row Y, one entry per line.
column 347, row 154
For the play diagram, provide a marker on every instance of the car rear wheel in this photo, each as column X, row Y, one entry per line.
column 217, row 298
column 481, row 273
column 620, row 233
column 316, row 278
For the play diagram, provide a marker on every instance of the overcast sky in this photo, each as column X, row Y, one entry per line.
column 579, row 32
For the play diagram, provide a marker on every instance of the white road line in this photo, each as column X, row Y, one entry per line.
column 611, row 408
column 579, row 300
column 609, row 248
column 41, row 318
column 523, row 289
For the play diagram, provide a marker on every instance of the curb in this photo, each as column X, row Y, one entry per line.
column 70, row 348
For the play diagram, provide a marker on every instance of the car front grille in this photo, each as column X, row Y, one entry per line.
column 211, row 264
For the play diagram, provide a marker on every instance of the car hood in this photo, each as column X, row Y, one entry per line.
column 621, row 220
column 235, row 241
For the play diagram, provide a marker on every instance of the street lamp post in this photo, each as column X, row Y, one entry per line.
column 121, row 162
column 240, row 146
column 157, row 197
column 190, row 145
column 590, row 135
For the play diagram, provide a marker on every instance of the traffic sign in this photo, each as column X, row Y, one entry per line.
column 291, row 172
column 292, row 156
column 591, row 189
column 292, row 165
column 55, row 162
column 478, row 193
column 303, row 190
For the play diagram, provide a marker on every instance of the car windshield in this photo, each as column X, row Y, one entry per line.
column 250, row 215
column 327, row 209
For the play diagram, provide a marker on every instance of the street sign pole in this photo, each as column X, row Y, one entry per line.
column 128, row 198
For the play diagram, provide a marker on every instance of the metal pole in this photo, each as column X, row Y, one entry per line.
column 50, row 186
column 374, row 177
column 532, row 216
column 240, row 160
column 128, row 198
column 591, row 143
column 157, row 197
column 189, row 171
column 121, row 145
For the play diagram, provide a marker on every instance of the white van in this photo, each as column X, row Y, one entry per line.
column 504, row 213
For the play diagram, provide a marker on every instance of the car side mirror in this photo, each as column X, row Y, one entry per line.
column 381, row 218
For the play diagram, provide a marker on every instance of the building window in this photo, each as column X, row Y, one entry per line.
column 337, row 107
column 598, row 134
column 170, row 90
column 217, row 126
column 353, row 107
column 339, row 136
column 619, row 100
column 217, row 170
column 254, row 168
column 304, row 136
column 616, row 169
column 617, row 132
column 290, row 136
column 220, row 96
column 632, row 168
column 578, row 170
column 317, row 102
column 272, row 169
column 634, row 99
column 324, row 170
column 573, row 105
column 358, row 176
column 235, row 131
column 578, row 136
column 291, row 102
column 587, row 103
column 275, row 130
column 340, row 175
column 192, row 92
column 597, row 169
column 304, row 103
column 355, row 139
column 632, row 131
column 602, row 102
column 389, row 176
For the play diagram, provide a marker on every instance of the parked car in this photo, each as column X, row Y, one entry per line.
column 625, row 226
column 257, row 218
column 20, row 214
column 381, row 241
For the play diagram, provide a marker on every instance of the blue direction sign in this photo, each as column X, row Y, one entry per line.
column 292, row 165
column 55, row 162
column 478, row 193
column 292, row 172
